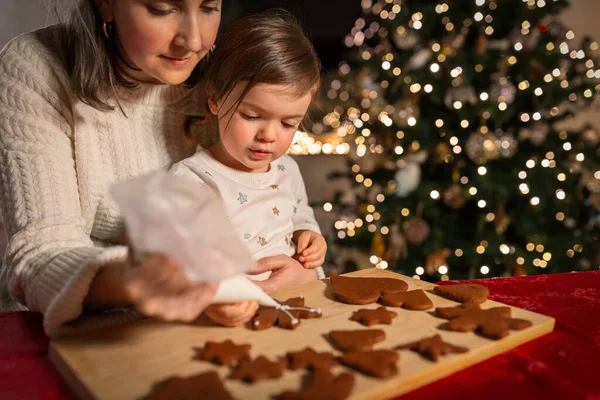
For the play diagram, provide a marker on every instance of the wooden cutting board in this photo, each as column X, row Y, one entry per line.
column 123, row 363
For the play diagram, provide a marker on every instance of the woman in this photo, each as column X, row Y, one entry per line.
column 98, row 98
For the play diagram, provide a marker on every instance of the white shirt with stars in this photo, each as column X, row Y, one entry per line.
column 265, row 208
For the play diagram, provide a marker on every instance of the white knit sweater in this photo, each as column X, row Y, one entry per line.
column 58, row 157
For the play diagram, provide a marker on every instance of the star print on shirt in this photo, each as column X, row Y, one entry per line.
column 247, row 236
column 295, row 210
column 242, row 198
column 281, row 168
column 275, row 210
column 262, row 241
column 207, row 173
column 275, row 187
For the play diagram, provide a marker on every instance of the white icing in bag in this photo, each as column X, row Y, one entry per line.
column 239, row 288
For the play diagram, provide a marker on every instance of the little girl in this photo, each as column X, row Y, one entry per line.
column 262, row 78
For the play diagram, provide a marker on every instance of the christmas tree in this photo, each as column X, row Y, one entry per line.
column 465, row 161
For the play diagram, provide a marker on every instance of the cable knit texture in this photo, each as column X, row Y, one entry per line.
column 58, row 157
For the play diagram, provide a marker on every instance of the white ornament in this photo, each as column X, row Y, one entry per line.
column 462, row 94
column 419, row 59
column 408, row 178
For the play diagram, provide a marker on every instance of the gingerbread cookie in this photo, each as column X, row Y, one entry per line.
column 287, row 316
column 296, row 307
column 258, row 369
column 362, row 339
column 433, row 347
column 223, row 353
column 323, row 385
column 411, row 300
column 464, row 292
column 377, row 363
column 372, row 317
column 310, row 359
column 493, row 323
column 364, row 290
column 203, row 386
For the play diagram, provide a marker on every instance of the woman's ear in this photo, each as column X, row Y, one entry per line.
column 106, row 9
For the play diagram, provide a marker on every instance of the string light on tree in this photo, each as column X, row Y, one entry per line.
column 463, row 109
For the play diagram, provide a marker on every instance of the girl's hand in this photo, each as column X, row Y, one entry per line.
column 232, row 314
column 311, row 248
column 157, row 287
column 285, row 271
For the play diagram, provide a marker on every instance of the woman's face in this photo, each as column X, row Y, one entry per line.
column 164, row 39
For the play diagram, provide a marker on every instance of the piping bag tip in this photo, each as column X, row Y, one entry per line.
column 238, row 288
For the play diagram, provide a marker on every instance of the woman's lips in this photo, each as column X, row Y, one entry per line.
column 178, row 62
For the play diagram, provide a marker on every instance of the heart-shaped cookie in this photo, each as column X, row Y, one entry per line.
column 411, row 300
column 463, row 292
column 364, row 290
column 362, row 339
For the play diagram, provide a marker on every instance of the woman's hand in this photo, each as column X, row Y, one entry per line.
column 285, row 271
column 232, row 314
column 157, row 287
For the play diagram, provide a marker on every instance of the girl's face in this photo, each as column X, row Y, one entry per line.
column 261, row 128
column 165, row 39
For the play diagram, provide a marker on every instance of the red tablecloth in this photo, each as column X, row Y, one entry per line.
column 564, row 364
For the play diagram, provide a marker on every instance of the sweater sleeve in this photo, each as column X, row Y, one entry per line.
column 50, row 260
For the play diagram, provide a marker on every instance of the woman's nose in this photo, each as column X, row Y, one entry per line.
column 189, row 34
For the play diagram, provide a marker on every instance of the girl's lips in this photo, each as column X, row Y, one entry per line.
column 260, row 153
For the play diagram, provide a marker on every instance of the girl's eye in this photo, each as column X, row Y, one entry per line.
column 159, row 11
column 288, row 125
column 249, row 117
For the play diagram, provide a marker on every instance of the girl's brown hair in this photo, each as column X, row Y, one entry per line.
column 90, row 58
column 266, row 48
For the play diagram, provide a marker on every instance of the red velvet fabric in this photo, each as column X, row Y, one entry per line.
column 562, row 365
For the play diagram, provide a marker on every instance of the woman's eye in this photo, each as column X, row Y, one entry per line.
column 210, row 7
column 159, row 11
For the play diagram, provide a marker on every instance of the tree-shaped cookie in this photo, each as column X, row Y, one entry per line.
column 372, row 317
column 258, row 369
column 323, row 385
column 377, row 363
column 223, row 353
column 493, row 323
column 433, row 347
column 364, row 290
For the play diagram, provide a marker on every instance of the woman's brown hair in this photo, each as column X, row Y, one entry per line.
column 265, row 48
column 90, row 58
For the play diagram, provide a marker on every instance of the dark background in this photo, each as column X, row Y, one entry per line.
column 325, row 21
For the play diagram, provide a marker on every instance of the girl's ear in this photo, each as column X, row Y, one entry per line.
column 212, row 104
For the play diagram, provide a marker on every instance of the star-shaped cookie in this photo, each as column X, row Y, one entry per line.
column 310, row 359
column 433, row 347
column 258, row 369
column 223, row 353
column 373, row 317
